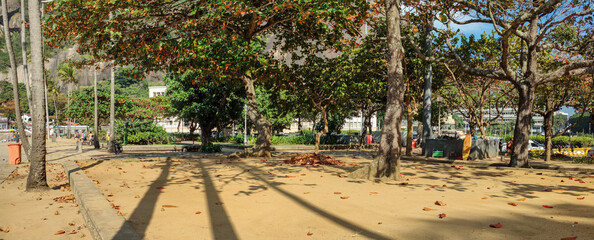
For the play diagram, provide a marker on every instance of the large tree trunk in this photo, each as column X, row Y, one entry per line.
column 112, row 134
column 15, row 82
column 96, row 117
column 262, row 146
column 37, row 175
column 522, row 131
column 320, row 133
column 548, row 128
column 428, row 82
column 205, row 134
column 387, row 162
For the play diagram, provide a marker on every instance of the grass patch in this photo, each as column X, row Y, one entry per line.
column 583, row 160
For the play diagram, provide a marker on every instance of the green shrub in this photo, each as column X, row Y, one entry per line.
column 210, row 148
column 141, row 132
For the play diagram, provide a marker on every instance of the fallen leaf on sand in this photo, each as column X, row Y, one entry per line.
column 440, row 203
column 428, row 209
column 548, row 190
column 340, row 176
column 379, row 222
column 575, row 222
column 136, row 196
column 521, row 199
column 199, row 212
column 160, row 187
column 581, row 198
column 496, row 225
column 538, row 173
column 60, row 232
column 547, row 206
column 512, row 203
column 485, row 198
column 219, row 203
column 309, row 234
column 569, row 238
column 345, row 197
column 169, row 206
column 427, row 189
column 72, row 231
column 442, row 215
column 404, row 183
column 57, row 213
column 110, row 195
column 373, row 193
column 71, row 224
column 337, row 193
column 305, row 192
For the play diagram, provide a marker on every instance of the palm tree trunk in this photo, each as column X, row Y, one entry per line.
column 37, row 175
column 69, row 94
column 24, row 53
column 15, row 82
column 96, row 124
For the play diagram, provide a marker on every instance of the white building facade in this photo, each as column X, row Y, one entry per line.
column 172, row 124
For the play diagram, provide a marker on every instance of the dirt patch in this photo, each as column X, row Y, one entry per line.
column 255, row 198
column 51, row 214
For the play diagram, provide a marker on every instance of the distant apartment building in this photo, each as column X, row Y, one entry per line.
column 171, row 124
column 4, row 123
column 507, row 115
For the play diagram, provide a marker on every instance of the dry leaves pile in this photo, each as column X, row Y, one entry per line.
column 314, row 159
column 65, row 199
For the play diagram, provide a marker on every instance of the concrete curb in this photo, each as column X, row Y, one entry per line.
column 101, row 219
column 500, row 164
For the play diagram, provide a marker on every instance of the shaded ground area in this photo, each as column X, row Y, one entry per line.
column 211, row 196
column 40, row 215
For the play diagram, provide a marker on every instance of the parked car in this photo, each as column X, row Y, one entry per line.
column 590, row 153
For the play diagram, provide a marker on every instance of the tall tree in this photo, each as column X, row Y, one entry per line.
column 552, row 96
column 387, row 162
column 227, row 39
column 37, row 175
column 67, row 74
column 204, row 102
column 13, row 75
column 552, row 25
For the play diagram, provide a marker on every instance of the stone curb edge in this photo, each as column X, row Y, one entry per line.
column 533, row 165
column 101, row 219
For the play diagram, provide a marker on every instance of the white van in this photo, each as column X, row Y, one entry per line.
column 532, row 145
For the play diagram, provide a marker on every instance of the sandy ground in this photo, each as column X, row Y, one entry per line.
column 40, row 214
column 213, row 197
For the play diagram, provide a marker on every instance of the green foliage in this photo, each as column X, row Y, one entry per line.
column 335, row 123
column 275, row 104
column 584, row 160
column 584, row 125
column 210, row 148
column 82, row 105
column 196, row 99
column 141, row 132
column 586, row 141
column 126, row 83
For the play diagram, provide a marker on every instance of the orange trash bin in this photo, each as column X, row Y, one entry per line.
column 14, row 153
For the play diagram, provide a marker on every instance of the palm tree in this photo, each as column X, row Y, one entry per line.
column 13, row 75
column 67, row 74
column 37, row 178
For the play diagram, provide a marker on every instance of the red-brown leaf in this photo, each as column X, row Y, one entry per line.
column 442, row 215
column 440, row 203
column 428, row 209
column 60, row 232
column 547, row 206
column 513, row 204
column 569, row 238
column 496, row 225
